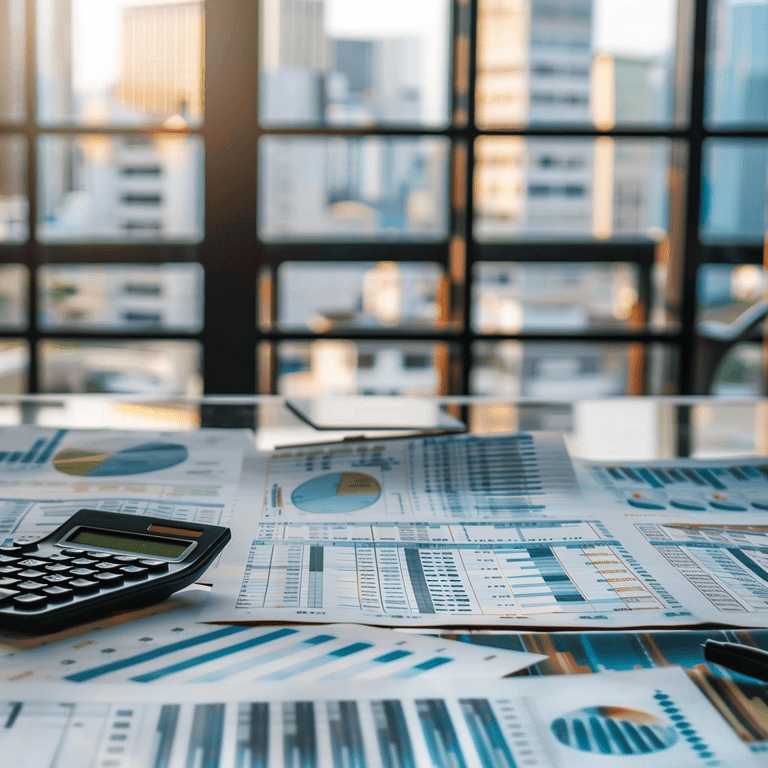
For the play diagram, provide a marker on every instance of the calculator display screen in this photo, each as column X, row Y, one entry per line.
column 133, row 543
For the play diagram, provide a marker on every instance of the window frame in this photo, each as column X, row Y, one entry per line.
column 239, row 337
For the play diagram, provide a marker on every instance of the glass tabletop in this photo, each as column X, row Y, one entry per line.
column 625, row 428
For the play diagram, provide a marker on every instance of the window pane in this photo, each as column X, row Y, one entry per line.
column 726, row 293
column 143, row 298
column 549, row 371
column 518, row 297
column 163, row 368
column 595, row 62
column 306, row 369
column 14, row 369
column 740, row 372
column 340, row 296
column 354, row 62
column 14, row 280
column 335, row 189
column 738, row 63
column 14, row 206
column 550, row 188
column 123, row 188
column 118, row 62
column 12, row 37
column 733, row 205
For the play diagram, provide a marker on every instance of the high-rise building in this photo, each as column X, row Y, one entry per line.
column 736, row 176
column 534, row 63
column 161, row 59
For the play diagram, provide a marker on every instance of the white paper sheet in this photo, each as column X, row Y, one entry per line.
column 655, row 718
column 165, row 645
column 486, row 531
column 46, row 475
column 688, row 485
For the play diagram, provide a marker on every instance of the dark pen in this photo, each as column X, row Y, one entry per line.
column 744, row 659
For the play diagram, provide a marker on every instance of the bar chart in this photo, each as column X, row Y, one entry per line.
column 659, row 714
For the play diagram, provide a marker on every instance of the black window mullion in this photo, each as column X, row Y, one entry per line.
column 229, row 251
column 471, row 253
column 691, row 238
column 31, row 249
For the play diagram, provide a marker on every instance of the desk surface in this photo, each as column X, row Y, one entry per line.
column 617, row 429
column 642, row 428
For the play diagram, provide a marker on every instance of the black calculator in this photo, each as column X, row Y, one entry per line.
column 99, row 562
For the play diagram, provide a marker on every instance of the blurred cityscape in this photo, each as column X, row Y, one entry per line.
column 539, row 63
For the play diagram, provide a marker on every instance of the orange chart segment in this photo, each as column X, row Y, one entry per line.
column 73, row 461
column 337, row 492
column 135, row 460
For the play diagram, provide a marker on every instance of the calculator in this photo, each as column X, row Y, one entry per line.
column 99, row 562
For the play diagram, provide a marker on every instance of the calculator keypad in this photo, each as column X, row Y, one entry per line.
column 34, row 583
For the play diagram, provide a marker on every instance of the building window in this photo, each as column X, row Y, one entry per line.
column 332, row 180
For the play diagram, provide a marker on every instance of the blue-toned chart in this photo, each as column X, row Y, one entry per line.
column 337, row 492
column 135, row 460
column 498, row 724
column 614, row 731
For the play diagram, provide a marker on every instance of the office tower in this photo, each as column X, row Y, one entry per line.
column 734, row 193
column 161, row 59
column 340, row 188
column 534, row 67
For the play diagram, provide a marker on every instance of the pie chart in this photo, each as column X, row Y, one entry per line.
column 148, row 457
column 337, row 492
column 614, row 731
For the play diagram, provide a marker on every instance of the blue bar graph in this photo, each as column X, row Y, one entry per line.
column 30, row 454
column 140, row 658
column 51, row 447
column 180, row 666
column 314, row 663
column 365, row 666
column 262, row 660
column 39, row 453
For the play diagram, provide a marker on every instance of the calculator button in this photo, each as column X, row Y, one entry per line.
column 59, row 594
column 55, row 578
column 155, row 566
column 106, row 566
column 84, row 586
column 83, row 561
column 58, row 568
column 82, row 572
column 60, row 557
column 8, row 559
column 126, row 558
column 30, row 586
column 73, row 551
column 11, row 550
column 7, row 570
column 98, row 555
column 25, row 546
column 30, row 573
column 134, row 572
column 6, row 582
column 30, row 602
column 7, row 594
column 30, row 562
column 110, row 579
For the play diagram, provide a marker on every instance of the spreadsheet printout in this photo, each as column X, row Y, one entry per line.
column 499, row 530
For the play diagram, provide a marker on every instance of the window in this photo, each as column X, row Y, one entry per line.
column 427, row 196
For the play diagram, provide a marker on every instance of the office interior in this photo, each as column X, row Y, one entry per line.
column 556, row 203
